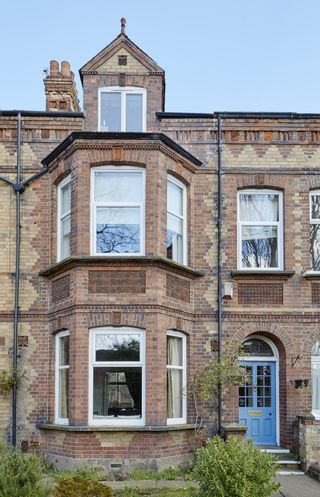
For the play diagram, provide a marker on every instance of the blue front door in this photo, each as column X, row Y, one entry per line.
column 257, row 402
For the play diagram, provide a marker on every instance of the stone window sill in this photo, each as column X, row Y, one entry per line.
column 311, row 275
column 261, row 275
column 57, row 427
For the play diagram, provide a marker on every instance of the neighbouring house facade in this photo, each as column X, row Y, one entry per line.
column 146, row 241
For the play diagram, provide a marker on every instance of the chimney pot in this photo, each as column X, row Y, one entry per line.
column 54, row 69
column 65, row 69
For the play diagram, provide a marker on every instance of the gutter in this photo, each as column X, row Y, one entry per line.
column 238, row 115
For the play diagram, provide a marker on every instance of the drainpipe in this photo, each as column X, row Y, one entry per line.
column 18, row 188
column 219, row 282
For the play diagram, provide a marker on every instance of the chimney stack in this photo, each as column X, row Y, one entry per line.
column 60, row 88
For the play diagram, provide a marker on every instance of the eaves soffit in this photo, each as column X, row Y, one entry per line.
column 92, row 140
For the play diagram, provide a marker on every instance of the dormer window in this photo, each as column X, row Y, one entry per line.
column 122, row 109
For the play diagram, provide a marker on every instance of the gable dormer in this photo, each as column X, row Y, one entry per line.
column 123, row 88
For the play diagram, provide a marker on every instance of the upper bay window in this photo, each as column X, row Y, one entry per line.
column 260, row 230
column 117, row 376
column 122, row 109
column 315, row 230
column 64, row 219
column 176, row 220
column 118, row 211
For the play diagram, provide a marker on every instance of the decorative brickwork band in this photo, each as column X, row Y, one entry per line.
column 178, row 289
column 257, row 293
column 61, row 288
column 315, row 293
column 117, row 282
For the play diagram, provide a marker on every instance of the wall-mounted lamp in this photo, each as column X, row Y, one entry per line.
column 299, row 383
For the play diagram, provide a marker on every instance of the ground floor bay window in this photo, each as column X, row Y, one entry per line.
column 117, row 376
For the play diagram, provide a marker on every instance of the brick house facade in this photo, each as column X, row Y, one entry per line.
column 118, row 299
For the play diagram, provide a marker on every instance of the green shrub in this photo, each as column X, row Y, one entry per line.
column 234, row 469
column 80, row 486
column 21, row 475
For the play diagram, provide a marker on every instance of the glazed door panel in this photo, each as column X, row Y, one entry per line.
column 257, row 402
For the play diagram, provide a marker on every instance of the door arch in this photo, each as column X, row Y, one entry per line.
column 258, row 398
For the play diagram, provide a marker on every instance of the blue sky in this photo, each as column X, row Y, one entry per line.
column 236, row 55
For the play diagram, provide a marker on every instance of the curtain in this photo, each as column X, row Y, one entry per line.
column 259, row 207
column 174, row 377
column 64, row 390
column 315, row 369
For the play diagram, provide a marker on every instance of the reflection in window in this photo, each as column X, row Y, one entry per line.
column 176, row 221
column 122, row 109
column 118, row 211
column 62, row 377
column 315, row 230
column 64, row 219
column 118, row 376
column 260, row 229
column 176, row 378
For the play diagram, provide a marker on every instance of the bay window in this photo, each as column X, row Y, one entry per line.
column 62, row 378
column 315, row 230
column 118, row 211
column 176, row 221
column 64, row 219
column 122, row 109
column 117, row 376
column 260, row 230
column 315, row 374
column 176, row 378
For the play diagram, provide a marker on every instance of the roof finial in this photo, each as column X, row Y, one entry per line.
column 123, row 26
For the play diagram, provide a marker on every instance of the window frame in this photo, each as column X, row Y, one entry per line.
column 124, row 90
column 94, row 205
column 315, row 360
column 58, row 368
column 183, row 368
column 61, row 217
column 184, row 217
column 279, row 224
column 122, row 330
column 311, row 222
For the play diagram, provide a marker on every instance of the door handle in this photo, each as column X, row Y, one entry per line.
column 270, row 413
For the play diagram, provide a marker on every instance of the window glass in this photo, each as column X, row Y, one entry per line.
column 122, row 109
column 260, row 230
column 176, row 378
column 175, row 198
column 110, row 111
column 256, row 207
column 118, row 230
column 117, row 393
column 117, row 347
column 256, row 347
column 117, row 376
column 315, row 231
column 315, row 379
column 259, row 246
column 115, row 186
column 176, row 221
column 62, row 378
column 133, row 112
column 118, row 211
column 64, row 219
